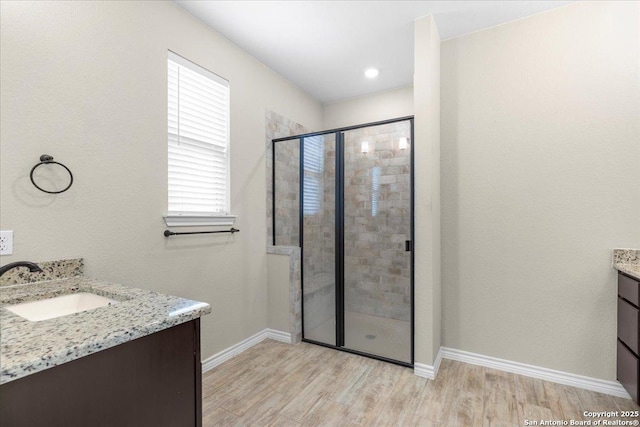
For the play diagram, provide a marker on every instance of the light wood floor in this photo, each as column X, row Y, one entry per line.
column 276, row 384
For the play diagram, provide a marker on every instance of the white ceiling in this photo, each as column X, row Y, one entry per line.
column 324, row 47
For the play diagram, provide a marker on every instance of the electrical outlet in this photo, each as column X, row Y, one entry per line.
column 6, row 242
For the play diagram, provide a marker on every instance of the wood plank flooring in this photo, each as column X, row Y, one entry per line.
column 276, row 384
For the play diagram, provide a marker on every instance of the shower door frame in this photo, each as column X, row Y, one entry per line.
column 339, row 230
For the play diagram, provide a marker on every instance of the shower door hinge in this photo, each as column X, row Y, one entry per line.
column 408, row 245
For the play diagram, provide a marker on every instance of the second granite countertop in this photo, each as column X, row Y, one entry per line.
column 28, row 347
column 632, row 270
column 627, row 261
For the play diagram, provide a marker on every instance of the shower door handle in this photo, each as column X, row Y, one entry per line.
column 408, row 246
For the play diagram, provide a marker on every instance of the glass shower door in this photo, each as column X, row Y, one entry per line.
column 377, row 240
column 346, row 198
column 318, row 238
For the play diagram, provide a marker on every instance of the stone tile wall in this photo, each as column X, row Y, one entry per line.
column 287, row 189
column 287, row 179
column 295, row 294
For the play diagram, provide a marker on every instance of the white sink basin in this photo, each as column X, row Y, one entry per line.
column 60, row 306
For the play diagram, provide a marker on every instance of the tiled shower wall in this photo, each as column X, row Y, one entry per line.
column 287, row 190
column 319, row 227
column 287, row 181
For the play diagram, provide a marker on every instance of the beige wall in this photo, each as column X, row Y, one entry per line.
column 540, row 181
column 86, row 83
column 371, row 108
column 426, row 86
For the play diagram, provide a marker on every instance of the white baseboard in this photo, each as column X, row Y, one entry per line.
column 423, row 370
column 436, row 364
column 276, row 335
column 428, row 371
column 226, row 354
column 612, row 388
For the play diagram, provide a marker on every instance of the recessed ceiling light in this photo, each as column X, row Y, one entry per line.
column 371, row 73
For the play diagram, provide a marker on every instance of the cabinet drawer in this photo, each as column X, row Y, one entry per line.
column 628, row 324
column 627, row 370
column 628, row 289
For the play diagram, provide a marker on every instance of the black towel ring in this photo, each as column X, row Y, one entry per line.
column 46, row 159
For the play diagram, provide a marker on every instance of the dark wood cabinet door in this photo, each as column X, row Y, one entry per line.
column 150, row 381
column 628, row 289
column 627, row 363
column 627, row 370
column 628, row 317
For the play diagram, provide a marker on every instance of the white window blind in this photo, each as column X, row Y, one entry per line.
column 198, row 118
column 313, row 170
column 375, row 190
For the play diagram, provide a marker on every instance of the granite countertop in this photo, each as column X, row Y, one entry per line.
column 28, row 347
column 627, row 261
column 630, row 270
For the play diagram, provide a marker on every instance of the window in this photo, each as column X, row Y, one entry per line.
column 313, row 170
column 375, row 190
column 198, row 145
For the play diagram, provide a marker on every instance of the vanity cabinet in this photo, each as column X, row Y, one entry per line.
column 628, row 327
column 150, row 381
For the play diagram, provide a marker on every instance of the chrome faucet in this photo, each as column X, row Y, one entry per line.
column 33, row 267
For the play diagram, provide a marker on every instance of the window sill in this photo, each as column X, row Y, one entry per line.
column 195, row 220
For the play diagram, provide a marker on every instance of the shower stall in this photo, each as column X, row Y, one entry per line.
column 345, row 196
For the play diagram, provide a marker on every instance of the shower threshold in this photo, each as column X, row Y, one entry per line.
column 366, row 333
